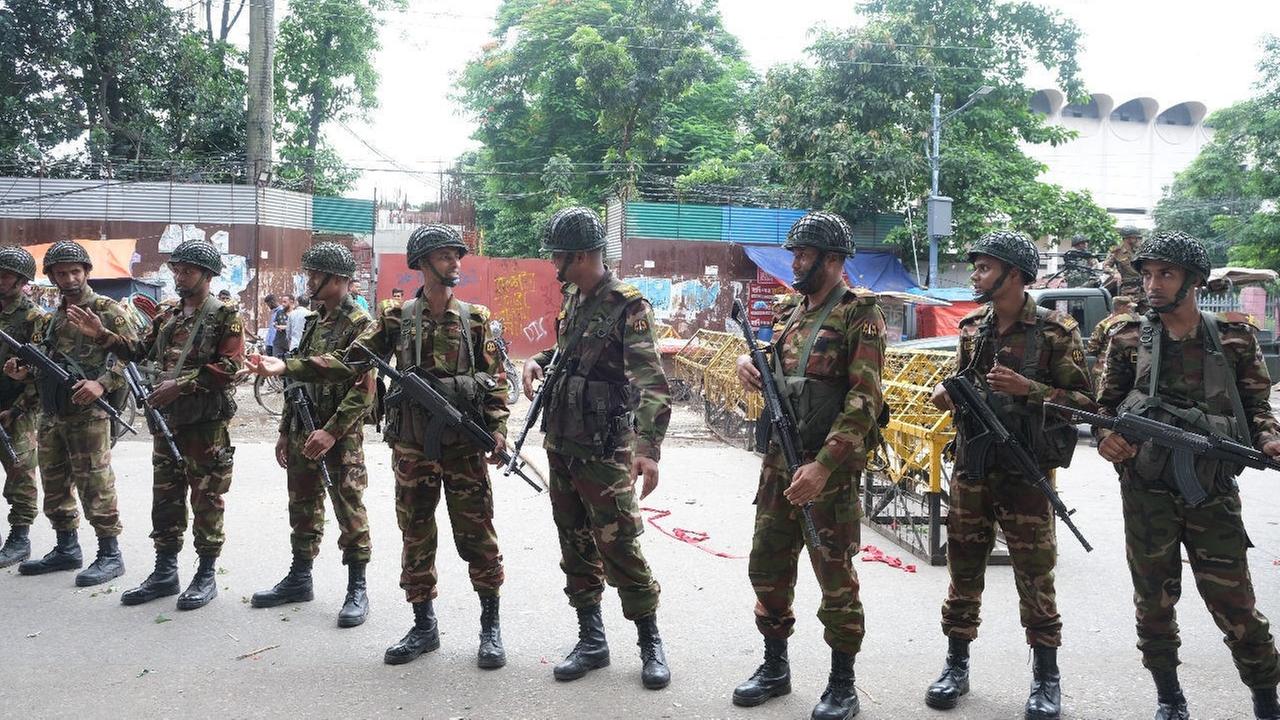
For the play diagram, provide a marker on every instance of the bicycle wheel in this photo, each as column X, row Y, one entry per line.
column 514, row 383
column 269, row 392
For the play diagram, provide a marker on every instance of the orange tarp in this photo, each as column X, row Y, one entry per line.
column 111, row 258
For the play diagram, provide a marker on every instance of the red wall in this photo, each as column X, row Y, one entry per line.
column 524, row 294
column 939, row 321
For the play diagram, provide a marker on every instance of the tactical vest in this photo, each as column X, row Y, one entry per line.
column 407, row 421
column 586, row 408
column 1051, row 441
column 815, row 403
column 200, row 349
column 1221, row 412
column 326, row 397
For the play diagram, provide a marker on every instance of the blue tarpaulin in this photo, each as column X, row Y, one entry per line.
column 876, row 271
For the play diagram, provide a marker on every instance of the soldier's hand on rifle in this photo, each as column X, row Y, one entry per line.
column 532, row 371
column 500, row 443
column 1114, row 448
column 15, row 371
column 941, row 399
column 1272, row 449
column 648, row 467
column 165, row 393
column 1006, row 380
column 807, row 484
column 319, row 442
column 747, row 373
column 86, row 392
column 85, row 320
column 264, row 365
column 282, row 451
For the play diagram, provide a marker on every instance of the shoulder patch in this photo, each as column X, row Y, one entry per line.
column 1064, row 320
column 870, row 329
column 640, row 324
column 629, row 292
column 481, row 312
column 491, row 347
column 1077, row 356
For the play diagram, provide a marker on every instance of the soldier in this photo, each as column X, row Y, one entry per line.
column 828, row 352
column 1082, row 262
column 1202, row 372
column 1120, row 262
column 74, row 435
column 396, row 300
column 1096, row 345
column 338, row 440
column 604, row 422
column 1018, row 355
column 21, row 318
column 193, row 349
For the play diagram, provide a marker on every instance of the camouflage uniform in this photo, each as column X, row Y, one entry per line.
column 1096, row 345
column 22, row 320
column 847, row 357
column 1058, row 374
column 593, row 500
column 205, row 367
column 1120, row 259
column 75, row 440
column 340, row 409
column 1157, row 520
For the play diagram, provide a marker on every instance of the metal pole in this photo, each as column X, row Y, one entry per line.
column 933, row 193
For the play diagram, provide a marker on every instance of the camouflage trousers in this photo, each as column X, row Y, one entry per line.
column 206, row 477
column 597, row 517
column 75, row 457
column 307, row 493
column 20, row 477
column 1157, row 524
column 775, row 554
column 468, row 497
column 1025, row 516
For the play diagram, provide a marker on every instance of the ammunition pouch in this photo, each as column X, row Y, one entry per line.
column 815, row 405
column 410, row 423
column 1152, row 467
column 594, row 413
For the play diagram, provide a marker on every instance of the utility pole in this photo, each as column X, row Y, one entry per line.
column 938, row 217
column 262, row 46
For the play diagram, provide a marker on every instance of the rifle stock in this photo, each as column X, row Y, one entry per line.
column 297, row 397
column 33, row 357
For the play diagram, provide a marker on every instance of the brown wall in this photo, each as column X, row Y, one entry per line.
column 699, row 300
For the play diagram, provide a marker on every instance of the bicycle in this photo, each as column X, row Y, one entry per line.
column 514, row 381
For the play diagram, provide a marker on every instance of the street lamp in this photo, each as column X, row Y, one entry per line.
column 939, row 212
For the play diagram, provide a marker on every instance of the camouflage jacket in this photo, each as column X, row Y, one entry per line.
column 22, row 320
column 81, row 356
column 629, row 358
column 1080, row 278
column 1097, row 342
column 340, row 406
column 1120, row 259
column 1181, row 381
column 208, row 370
column 849, row 354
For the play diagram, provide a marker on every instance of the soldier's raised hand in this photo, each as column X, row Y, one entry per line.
column 85, row 320
column 747, row 373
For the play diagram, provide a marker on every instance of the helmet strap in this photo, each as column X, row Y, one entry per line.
column 444, row 279
column 807, row 284
column 989, row 295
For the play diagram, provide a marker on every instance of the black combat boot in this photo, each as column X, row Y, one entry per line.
column 772, row 679
column 162, row 582
column 17, row 547
column 1265, row 704
column 109, row 564
column 423, row 637
column 655, row 674
column 592, row 650
column 1170, row 703
column 1045, row 701
column 355, row 608
column 295, row 587
column 203, row 587
column 840, row 700
column 491, row 654
column 945, row 692
column 64, row 556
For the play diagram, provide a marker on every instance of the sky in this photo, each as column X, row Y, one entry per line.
column 1171, row 50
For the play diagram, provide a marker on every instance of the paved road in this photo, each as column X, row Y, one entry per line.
column 79, row 653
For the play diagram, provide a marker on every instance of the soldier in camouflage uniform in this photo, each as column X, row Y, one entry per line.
column 193, row 349
column 74, row 435
column 1202, row 372
column 1120, row 262
column 1018, row 355
column 20, row 318
column 339, row 409
column 1096, row 345
column 605, row 420
column 1082, row 262
column 828, row 352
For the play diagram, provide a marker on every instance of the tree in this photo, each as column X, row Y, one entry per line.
column 324, row 71
column 851, row 125
column 217, row 34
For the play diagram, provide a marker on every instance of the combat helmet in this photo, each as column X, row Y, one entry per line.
column 1130, row 231
column 1175, row 248
column 17, row 260
column 66, row 251
column 1011, row 247
column 573, row 229
column 822, row 230
column 432, row 236
column 331, row 258
column 199, row 253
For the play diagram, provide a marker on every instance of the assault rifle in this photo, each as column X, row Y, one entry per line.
column 305, row 410
column 155, row 421
column 778, row 413
column 553, row 370
column 32, row 356
column 985, row 430
column 1186, row 445
column 6, row 446
column 443, row 415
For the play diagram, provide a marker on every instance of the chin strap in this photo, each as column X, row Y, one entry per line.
column 987, row 295
column 805, row 284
